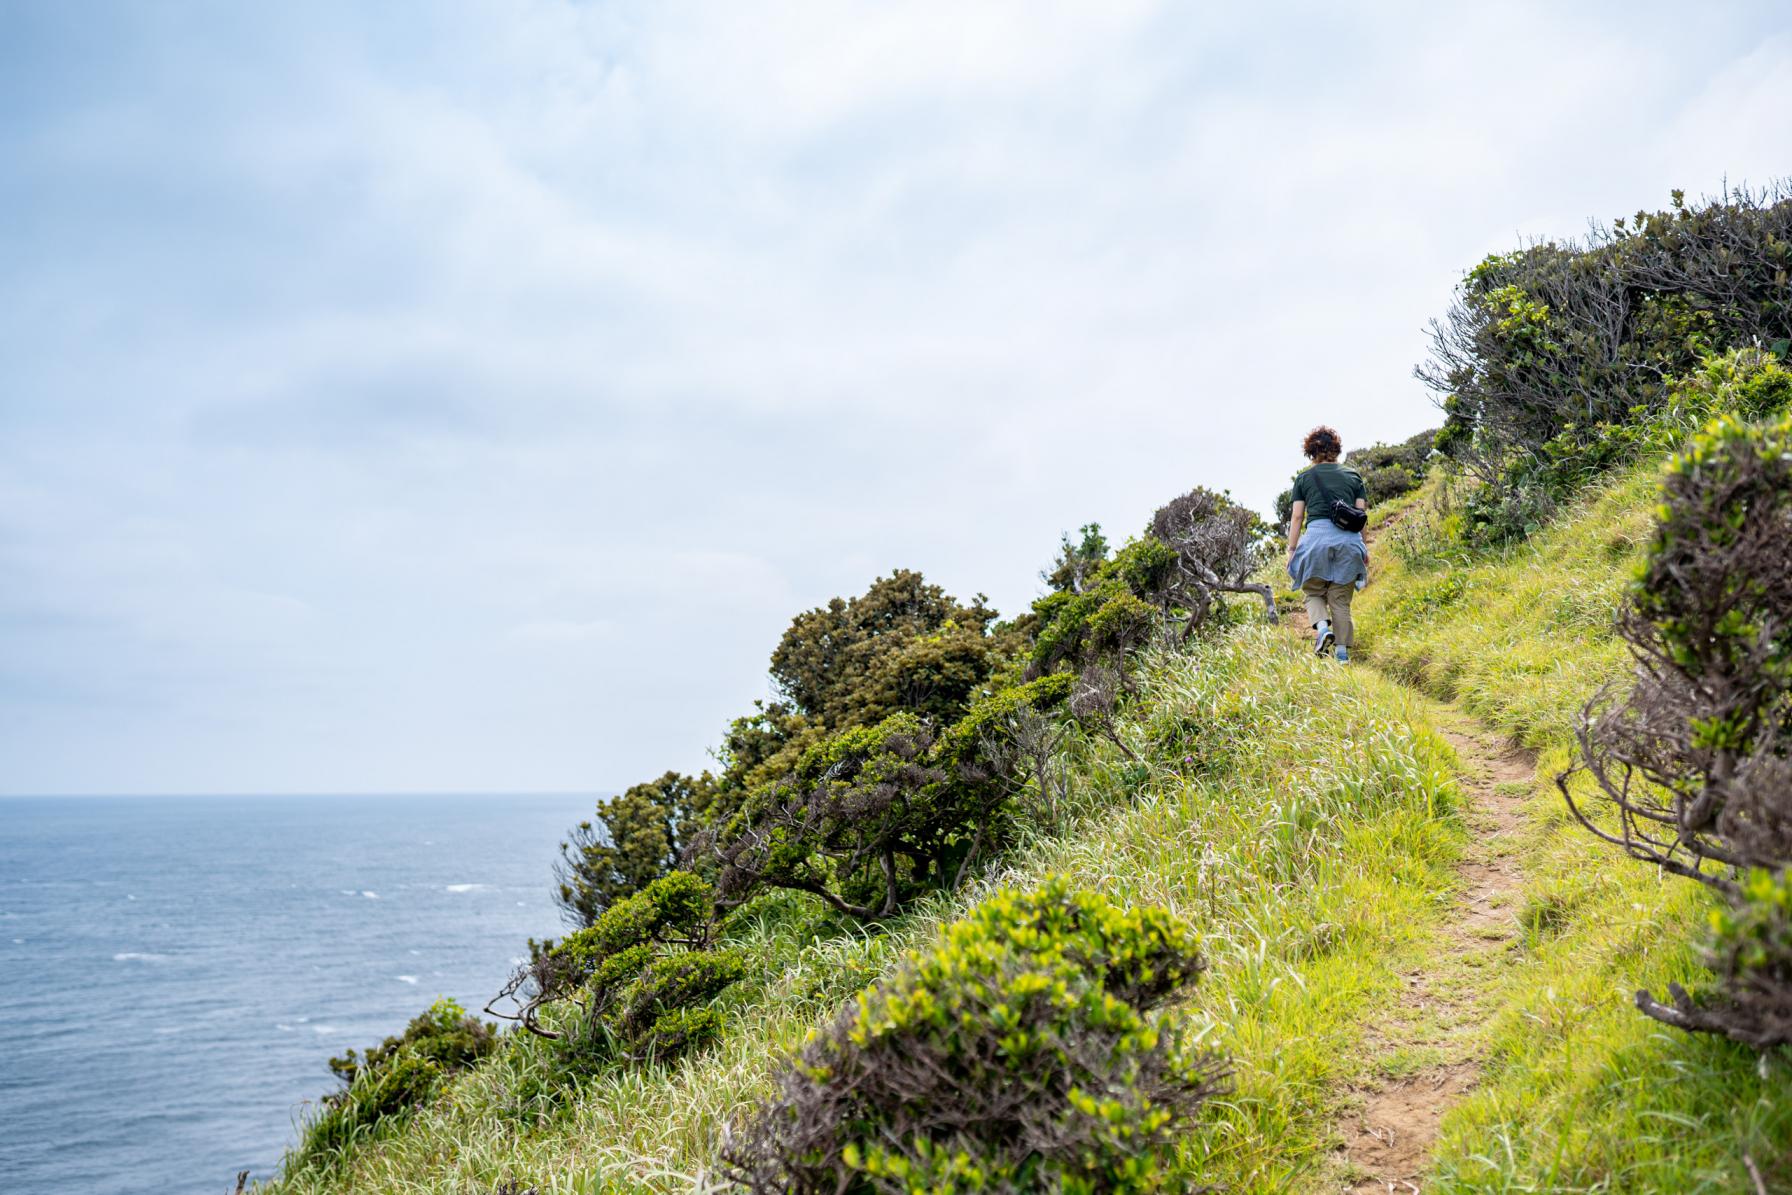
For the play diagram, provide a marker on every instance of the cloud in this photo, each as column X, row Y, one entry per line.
column 418, row 398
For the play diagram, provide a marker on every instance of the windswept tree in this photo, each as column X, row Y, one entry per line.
column 636, row 984
column 1014, row 737
column 1551, row 352
column 1218, row 545
column 903, row 644
column 1696, row 758
column 864, row 821
column 1078, row 560
column 636, row 837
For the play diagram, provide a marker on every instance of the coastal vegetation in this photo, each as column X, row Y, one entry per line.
column 936, row 921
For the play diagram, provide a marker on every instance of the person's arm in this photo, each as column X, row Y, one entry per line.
column 1295, row 522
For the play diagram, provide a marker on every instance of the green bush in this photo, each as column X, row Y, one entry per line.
column 1751, row 953
column 1026, row 1051
column 1100, row 625
column 640, row 981
column 1696, row 759
column 853, row 661
column 1077, row 561
column 865, row 821
column 388, row 1082
column 1551, row 352
column 637, row 838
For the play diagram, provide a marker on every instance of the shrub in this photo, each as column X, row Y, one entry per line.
column 1549, row 348
column 1216, row 546
column 1026, row 1051
column 383, row 1086
column 1013, row 737
column 639, row 841
column 843, row 663
column 1751, row 953
column 1077, row 561
column 1695, row 757
column 1100, row 625
column 902, row 646
column 443, row 1034
column 865, row 821
column 639, row 979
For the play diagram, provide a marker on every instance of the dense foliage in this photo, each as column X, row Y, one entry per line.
column 1199, row 546
column 1552, row 353
column 903, row 645
column 865, row 820
column 389, row 1081
column 640, row 980
column 1025, row 1052
column 1077, row 560
column 637, row 837
column 1697, row 756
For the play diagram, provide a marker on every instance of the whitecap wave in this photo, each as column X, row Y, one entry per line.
column 411, row 979
column 139, row 956
column 370, row 895
column 468, row 887
column 322, row 1030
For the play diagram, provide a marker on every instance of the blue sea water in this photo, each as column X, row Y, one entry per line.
column 175, row 972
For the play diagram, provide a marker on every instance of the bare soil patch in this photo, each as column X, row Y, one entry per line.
column 1388, row 1139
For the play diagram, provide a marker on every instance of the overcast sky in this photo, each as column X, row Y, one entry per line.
column 432, row 396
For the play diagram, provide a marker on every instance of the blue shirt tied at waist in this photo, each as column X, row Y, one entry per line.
column 1329, row 553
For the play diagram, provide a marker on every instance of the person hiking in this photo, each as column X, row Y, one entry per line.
column 1327, row 559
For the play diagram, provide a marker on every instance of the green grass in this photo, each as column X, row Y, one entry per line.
column 1580, row 1092
column 1315, row 865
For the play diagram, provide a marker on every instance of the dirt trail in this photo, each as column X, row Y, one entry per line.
column 1388, row 1137
column 1389, row 1132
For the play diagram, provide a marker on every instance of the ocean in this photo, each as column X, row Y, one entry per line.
column 175, row 972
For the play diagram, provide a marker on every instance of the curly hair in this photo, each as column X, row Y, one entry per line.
column 1322, row 444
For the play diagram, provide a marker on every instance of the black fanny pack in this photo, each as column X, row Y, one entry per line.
column 1347, row 517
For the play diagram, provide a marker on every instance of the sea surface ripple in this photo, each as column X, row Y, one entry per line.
column 176, row 971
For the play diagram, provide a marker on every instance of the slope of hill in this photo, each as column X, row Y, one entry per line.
column 1578, row 1092
column 1399, row 922
column 1315, row 864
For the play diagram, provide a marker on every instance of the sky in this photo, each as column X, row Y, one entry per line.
column 463, row 397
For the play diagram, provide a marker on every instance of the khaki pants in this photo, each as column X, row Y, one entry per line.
column 1329, row 600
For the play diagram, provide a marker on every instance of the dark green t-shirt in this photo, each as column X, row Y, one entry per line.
column 1319, row 485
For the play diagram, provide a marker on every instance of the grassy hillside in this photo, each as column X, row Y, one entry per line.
column 1312, row 821
column 1580, row 1092
column 1314, row 863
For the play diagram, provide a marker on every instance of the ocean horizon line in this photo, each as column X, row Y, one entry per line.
column 228, row 794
